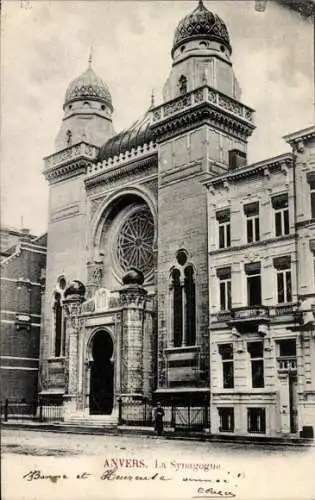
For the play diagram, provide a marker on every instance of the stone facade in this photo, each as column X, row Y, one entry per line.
column 259, row 386
column 151, row 199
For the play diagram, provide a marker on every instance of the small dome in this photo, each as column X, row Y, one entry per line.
column 133, row 277
column 201, row 23
column 88, row 86
column 75, row 288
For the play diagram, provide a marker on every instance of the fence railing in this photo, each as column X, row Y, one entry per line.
column 177, row 417
column 36, row 410
column 135, row 413
column 182, row 418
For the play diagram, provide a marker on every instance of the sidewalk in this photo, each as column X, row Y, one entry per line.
column 149, row 432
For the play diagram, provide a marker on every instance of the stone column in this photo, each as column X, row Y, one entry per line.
column 72, row 308
column 136, row 340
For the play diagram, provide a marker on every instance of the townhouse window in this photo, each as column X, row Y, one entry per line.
column 251, row 211
column 224, row 277
column 256, row 420
column 281, row 214
column 284, row 279
column 252, row 271
column 226, row 416
column 256, row 351
column 226, row 352
column 224, row 228
column 287, row 348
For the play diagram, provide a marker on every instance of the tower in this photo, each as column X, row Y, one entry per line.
column 86, row 124
column 200, row 128
column 87, row 111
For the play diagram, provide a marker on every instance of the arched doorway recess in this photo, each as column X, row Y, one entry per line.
column 101, row 374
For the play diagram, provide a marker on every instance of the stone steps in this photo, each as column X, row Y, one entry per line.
column 92, row 421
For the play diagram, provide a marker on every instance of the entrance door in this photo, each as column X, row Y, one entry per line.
column 293, row 402
column 101, row 375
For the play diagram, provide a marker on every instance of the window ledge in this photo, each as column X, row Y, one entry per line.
column 262, row 242
column 182, row 348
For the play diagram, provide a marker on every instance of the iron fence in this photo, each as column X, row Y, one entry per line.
column 177, row 417
column 135, row 413
column 187, row 418
column 33, row 410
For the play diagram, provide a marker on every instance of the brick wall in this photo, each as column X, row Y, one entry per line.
column 21, row 294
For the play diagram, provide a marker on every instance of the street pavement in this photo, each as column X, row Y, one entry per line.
column 50, row 465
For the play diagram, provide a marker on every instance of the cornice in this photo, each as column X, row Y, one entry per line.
column 119, row 171
column 256, row 246
column 201, row 115
column 278, row 163
column 202, row 105
column 65, row 171
column 71, row 161
column 300, row 136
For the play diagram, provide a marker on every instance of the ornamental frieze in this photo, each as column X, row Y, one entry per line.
column 203, row 94
column 192, row 117
column 130, row 170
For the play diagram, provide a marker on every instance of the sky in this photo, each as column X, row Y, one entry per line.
column 46, row 44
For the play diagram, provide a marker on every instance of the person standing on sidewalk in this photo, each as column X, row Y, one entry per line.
column 159, row 414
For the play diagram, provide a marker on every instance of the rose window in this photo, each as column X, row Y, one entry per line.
column 135, row 241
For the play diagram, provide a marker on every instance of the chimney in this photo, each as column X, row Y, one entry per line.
column 237, row 159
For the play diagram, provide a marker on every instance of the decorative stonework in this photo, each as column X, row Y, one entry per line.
column 83, row 149
column 200, row 24
column 88, row 86
column 95, row 276
column 204, row 94
column 259, row 169
column 134, row 245
column 132, row 295
column 116, row 168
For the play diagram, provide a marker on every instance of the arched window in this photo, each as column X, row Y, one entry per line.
column 182, row 85
column 177, row 308
column 58, row 324
column 190, row 303
column 183, row 303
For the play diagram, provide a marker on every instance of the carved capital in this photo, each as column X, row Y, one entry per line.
column 95, row 277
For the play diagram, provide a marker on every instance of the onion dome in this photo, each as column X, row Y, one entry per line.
column 75, row 288
column 88, row 86
column 133, row 277
column 138, row 134
column 201, row 24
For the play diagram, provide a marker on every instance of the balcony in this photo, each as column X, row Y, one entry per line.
column 69, row 154
column 204, row 94
column 249, row 315
column 287, row 364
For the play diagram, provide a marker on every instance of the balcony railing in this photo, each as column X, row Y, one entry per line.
column 72, row 152
column 287, row 364
column 203, row 94
column 250, row 313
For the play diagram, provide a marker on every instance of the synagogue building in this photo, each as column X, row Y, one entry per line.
column 176, row 271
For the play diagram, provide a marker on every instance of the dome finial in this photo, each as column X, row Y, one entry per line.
column 152, row 99
column 90, row 56
column 200, row 4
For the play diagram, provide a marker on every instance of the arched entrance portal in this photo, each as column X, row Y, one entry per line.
column 101, row 374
